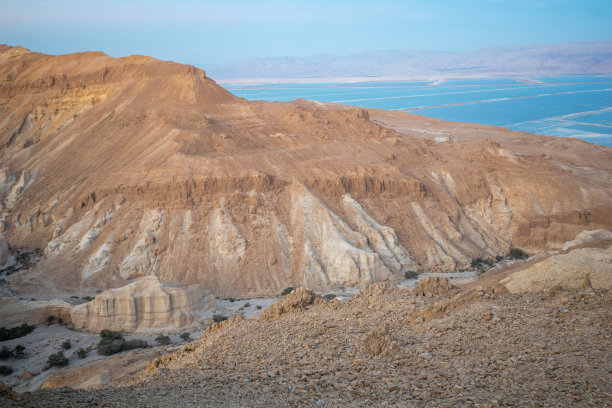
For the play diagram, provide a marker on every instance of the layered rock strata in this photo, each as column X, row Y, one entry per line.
column 126, row 168
column 143, row 304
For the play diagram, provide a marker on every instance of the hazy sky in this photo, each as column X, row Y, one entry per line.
column 207, row 33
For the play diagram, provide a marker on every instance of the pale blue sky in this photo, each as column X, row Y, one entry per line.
column 207, row 33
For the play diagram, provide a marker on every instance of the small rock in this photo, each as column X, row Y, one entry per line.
column 26, row 375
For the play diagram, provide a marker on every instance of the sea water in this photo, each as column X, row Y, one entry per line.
column 576, row 106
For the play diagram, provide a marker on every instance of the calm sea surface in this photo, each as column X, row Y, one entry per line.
column 559, row 106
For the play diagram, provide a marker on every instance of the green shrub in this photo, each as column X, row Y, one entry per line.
column 82, row 353
column 163, row 340
column 6, row 370
column 15, row 332
column 516, row 253
column 19, row 350
column 247, row 304
column 330, row 296
column 88, row 298
column 411, row 275
column 112, row 335
column 66, row 345
column 219, row 318
column 5, row 353
column 185, row 336
column 287, row 291
column 258, row 307
column 58, row 359
column 134, row 344
column 110, row 342
column 108, row 346
column 50, row 319
column 477, row 262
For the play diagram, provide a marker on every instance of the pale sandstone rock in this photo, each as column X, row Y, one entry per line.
column 226, row 243
column 14, row 311
column 98, row 260
column 91, row 235
column 586, row 237
column 382, row 239
column 25, row 180
column 142, row 259
column 67, row 238
column 439, row 250
column 143, row 304
column 334, row 253
column 568, row 271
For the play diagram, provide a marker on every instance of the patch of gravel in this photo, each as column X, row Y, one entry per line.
column 385, row 347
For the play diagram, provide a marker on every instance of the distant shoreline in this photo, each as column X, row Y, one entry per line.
column 561, row 105
column 428, row 78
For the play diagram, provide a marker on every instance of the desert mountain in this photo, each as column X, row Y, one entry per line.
column 118, row 169
column 584, row 58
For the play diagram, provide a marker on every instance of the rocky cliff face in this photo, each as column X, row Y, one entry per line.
column 120, row 169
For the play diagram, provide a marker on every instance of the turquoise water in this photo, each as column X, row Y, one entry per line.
column 557, row 106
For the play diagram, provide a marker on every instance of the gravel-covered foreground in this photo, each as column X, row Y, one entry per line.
column 386, row 347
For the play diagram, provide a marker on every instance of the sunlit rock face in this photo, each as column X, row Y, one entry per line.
column 143, row 304
column 131, row 168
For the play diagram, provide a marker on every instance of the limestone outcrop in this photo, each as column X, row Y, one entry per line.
column 583, row 263
column 15, row 311
column 582, row 268
column 586, row 238
column 144, row 304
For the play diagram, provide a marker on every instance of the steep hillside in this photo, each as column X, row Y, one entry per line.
column 115, row 169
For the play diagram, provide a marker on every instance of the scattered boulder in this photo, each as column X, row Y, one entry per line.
column 378, row 342
column 26, row 375
column 376, row 289
column 7, row 392
column 297, row 300
column 433, row 286
column 222, row 324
